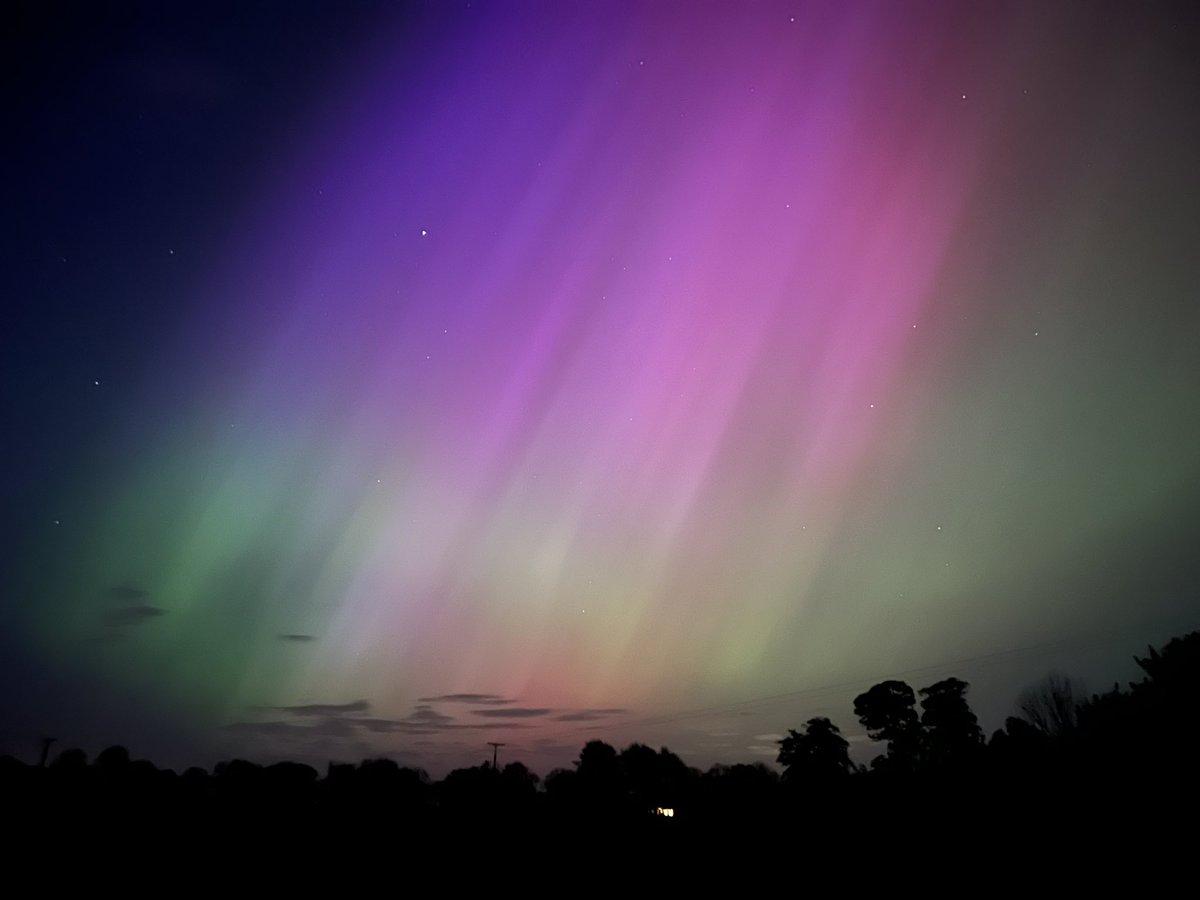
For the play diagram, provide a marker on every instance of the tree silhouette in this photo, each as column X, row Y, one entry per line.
column 113, row 761
column 887, row 712
column 562, row 790
column 598, row 763
column 952, row 732
column 1050, row 705
column 817, row 751
column 653, row 779
column 518, row 774
column 72, row 758
column 601, row 781
column 739, row 790
column 1115, row 726
column 639, row 764
column 1172, row 676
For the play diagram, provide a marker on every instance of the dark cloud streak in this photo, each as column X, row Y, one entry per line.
column 590, row 715
column 325, row 709
column 515, row 712
column 474, row 699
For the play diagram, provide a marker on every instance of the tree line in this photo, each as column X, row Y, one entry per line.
column 1079, row 757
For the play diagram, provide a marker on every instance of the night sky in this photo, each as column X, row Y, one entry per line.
column 387, row 379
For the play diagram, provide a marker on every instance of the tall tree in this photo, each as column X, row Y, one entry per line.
column 952, row 732
column 817, row 751
column 653, row 778
column 887, row 713
column 600, row 777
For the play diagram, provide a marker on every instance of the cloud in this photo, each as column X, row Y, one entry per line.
column 377, row 726
column 126, row 616
column 307, row 731
column 296, row 638
column 425, row 720
column 514, row 712
column 590, row 715
column 425, row 714
column 325, row 709
column 311, row 723
column 318, row 720
column 267, row 729
column 474, row 699
column 420, row 728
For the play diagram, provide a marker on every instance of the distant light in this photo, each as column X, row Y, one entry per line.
column 424, row 232
column 667, row 811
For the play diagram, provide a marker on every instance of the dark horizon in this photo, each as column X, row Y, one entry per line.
column 1069, row 772
column 1046, row 711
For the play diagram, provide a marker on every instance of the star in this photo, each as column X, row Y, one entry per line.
column 424, row 232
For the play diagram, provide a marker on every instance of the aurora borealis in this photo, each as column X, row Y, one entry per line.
column 539, row 372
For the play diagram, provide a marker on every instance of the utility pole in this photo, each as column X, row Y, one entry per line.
column 46, row 742
column 495, row 749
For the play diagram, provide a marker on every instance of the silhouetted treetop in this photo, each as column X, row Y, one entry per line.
column 817, row 751
column 952, row 731
column 887, row 712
